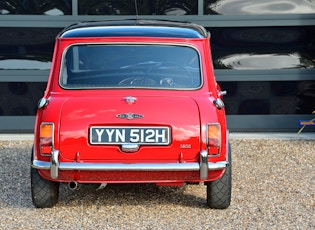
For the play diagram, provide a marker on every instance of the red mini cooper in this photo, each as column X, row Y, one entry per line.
column 131, row 101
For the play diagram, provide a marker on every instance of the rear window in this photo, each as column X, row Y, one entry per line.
column 87, row 66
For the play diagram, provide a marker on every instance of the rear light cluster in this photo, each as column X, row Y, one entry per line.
column 213, row 138
column 46, row 134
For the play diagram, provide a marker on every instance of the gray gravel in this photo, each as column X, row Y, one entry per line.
column 273, row 188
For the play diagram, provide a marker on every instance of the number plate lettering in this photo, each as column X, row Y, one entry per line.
column 139, row 135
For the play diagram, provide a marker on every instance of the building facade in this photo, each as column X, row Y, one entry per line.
column 263, row 52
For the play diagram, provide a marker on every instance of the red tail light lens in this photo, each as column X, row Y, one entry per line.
column 213, row 138
column 46, row 138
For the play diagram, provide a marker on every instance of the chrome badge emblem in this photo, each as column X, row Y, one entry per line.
column 129, row 116
column 130, row 99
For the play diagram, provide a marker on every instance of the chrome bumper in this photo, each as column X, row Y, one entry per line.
column 203, row 166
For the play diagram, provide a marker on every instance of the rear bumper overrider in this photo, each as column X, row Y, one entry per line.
column 203, row 166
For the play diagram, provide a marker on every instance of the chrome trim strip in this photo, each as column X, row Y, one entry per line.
column 218, row 165
column 54, row 168
column 130, row 167
column 40, row 164
column 204, row 164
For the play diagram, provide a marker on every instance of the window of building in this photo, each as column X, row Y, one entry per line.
column 254, row 7
column 20, row 98
column 250, row 48
column 26, row 48
column 145, row 7
column 269, row 97
column 31, row 7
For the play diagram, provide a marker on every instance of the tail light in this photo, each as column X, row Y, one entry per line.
column 46, row 134
column 213, row 138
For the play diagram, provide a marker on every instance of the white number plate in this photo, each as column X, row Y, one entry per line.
column 108, row 135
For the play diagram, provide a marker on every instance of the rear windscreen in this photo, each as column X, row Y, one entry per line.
column 130, row 66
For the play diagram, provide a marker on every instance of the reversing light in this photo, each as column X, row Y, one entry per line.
column 46, row 138
column 213, row 138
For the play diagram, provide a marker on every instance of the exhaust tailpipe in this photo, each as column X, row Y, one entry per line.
column 73, row 185
column 101, row 186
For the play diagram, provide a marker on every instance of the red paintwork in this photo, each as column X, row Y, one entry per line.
column 185, row 112
column 130, row 177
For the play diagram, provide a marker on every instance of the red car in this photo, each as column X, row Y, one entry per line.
column 131, row 101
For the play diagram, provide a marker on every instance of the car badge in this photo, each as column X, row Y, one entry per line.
column 130, row 99
column 129, row 116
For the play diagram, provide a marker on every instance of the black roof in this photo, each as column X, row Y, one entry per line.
column 135, row 27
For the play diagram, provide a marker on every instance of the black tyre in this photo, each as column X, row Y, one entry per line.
column 219, row 191
column 44, row 192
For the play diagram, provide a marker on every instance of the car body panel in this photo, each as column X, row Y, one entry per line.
column 103, row 111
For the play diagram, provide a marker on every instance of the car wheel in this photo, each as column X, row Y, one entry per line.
column 44, row 192
column 219, row 191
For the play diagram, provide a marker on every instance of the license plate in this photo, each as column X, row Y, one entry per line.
column 109, row 135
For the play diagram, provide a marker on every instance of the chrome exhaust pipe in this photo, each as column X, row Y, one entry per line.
column 73, row 185
column 101, row 186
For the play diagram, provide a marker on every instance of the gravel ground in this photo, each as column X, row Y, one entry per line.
column 273, row 188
